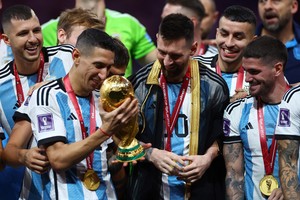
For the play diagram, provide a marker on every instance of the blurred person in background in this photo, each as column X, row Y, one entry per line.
column 277, row 21
column 123, row 26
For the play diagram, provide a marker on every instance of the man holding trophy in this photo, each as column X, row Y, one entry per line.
column 182, row 104
column 71, row 124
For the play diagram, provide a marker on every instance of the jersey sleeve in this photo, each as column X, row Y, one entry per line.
column 47, row 122
column 288, row 121
column 231, row 121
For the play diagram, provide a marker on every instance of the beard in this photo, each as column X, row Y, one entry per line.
column 277, row 27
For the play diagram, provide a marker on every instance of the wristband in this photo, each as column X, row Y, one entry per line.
column 104, row 133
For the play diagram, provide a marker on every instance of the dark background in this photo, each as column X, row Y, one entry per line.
column 147, row 12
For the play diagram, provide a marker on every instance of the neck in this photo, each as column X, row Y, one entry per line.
column 27, row 67
column 229, row 67
column 76, row 84
column 285, row 35
column 276, row 93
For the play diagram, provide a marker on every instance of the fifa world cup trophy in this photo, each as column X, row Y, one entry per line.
column 113, row 93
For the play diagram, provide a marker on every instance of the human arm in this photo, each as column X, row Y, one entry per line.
column 288, row 168
column 234, row 163
column 62, row 156
column 16, row 152
column 198, row 164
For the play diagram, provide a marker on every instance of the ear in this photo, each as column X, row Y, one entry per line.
column 76, row 56
column 278, row 68
column 194, row 48
column 294, row 6
column 6, row 39
column 61, row 36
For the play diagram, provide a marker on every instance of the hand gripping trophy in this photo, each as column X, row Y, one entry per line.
column 113, row 93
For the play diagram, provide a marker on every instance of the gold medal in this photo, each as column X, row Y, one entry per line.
column 267, row 184
column 91, row 180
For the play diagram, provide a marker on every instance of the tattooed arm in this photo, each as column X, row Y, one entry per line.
column 288, row 165
column 234, row 161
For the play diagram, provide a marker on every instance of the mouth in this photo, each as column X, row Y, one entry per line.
column 270, row 17
column 32, row 50
column 229, row 53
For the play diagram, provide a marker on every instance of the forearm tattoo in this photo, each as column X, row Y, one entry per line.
column 233, row 155
column 288, row 164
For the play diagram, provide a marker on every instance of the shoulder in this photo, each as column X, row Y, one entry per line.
column 213, row 80
column 60, row 48
column 293, row 93
column 238, row 104
column 140, row 77
column 208, row 61
column 115, row 16
column 50, row 24
column 42, row 95
column 6, row 70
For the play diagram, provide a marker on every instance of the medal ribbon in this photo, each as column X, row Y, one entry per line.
column 20, row 94
column 240, row 78
column 171, row 120
column 268, row 157
column 72, row 96
column 201, row 49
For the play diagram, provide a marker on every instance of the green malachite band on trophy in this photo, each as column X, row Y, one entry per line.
column 127, row 155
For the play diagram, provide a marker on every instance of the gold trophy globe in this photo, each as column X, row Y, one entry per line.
column 113, row 93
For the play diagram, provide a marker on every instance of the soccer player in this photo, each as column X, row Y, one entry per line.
column 182, row 104
column 22, row 32
column 74, row 130
column 249, row 124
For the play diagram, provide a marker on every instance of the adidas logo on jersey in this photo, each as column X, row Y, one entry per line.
column 72, row 117
column 16, row 106
column 249, row 126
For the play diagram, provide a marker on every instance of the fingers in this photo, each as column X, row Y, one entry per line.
column 36, row 161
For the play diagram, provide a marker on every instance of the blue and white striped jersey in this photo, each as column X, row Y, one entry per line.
column 241, row 125
column 229, row 77
column 54, row 118
column 58, row 58
column 180, row 140
column 288, row 121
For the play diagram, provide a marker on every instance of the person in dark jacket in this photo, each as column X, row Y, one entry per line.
column 182, row 104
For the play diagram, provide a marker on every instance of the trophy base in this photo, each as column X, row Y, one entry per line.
column 132, row 152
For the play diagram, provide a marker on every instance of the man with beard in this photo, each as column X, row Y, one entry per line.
column 277, row 21
column 249, row 124
column 182, row 104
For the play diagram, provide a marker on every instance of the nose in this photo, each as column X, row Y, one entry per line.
column 229, row 42
column 267, row 4
column 103, row 73
column 167, row 60
column 32, row 37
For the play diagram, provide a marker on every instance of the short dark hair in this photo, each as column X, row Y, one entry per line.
column 195, row 5
column 91, row 37
column 268, row 49
column 177, row 26
column 16, row 12
column 121, row 54
column 237, row 13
